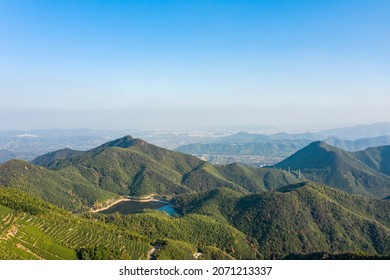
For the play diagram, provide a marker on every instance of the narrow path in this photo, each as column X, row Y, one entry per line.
column 154, row 251
column 20, row 246
column 197, row 255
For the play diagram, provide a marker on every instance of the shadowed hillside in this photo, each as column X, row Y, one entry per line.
column 301, row 219
column 377, row 158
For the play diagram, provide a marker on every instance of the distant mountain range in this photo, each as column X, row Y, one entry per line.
column 6, row 155
column 273, row 147
column 359, row 131
column 359, row 144
column 253, row 144
column 320, row 200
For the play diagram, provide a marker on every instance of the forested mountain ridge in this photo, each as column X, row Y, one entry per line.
column 337, row 168
column 65, row 188
column 377, row 158
column 78, row 180
column 300, row 219
column 133, row 166
column 50, row 158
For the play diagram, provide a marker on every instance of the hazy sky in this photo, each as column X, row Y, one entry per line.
column 150, row 64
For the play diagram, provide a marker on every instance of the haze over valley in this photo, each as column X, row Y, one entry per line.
column 262, row 145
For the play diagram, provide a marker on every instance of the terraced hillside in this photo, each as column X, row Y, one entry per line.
column 198, row 232
column 34, row 229
column 6, row 218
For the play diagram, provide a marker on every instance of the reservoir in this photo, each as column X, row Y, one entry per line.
column 133, row 207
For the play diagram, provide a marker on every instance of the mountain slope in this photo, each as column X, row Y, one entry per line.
column 31, row 228
column 377, row 158
column 358, row 144
column 257, row 179
column 323, row 163
column 199, row 231
column 51, row 158
column 359, row 131
column 133, row 166
column 301, row 219
column 66, row 188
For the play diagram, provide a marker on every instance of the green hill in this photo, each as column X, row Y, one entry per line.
column 198, row 231
column 31, row 228
column 133, row 166
column 377, row 158
column 301, row 219
column 65, row 188
column 337, row 168
column 51, row 158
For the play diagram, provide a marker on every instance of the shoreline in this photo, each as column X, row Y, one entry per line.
column 146, row 200
column 151, row 199
column 110, row 205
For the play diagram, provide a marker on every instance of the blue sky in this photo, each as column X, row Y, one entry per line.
column 165, row 64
